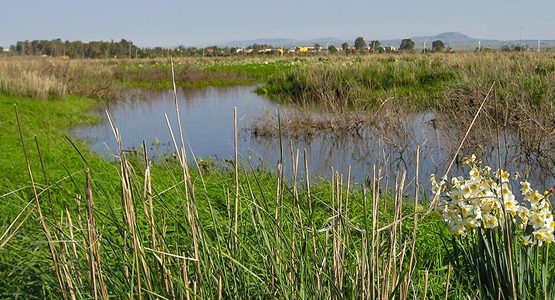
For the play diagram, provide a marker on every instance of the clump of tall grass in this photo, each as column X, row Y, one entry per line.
column 364, row 83
column 43, row 78
column 32, row 84
column 416, row 82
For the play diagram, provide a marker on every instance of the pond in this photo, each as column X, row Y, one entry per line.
column 207, row 118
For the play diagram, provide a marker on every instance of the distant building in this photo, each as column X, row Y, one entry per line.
column 302, row 49
column 5, row 50
column 389, row 49
column 307, row 49
column 266, row 50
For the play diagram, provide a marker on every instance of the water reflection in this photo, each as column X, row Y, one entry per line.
column 207, row 116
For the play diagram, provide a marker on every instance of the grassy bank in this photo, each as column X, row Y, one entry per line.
column 416, row 81
column 53, row 78
column 144, row 230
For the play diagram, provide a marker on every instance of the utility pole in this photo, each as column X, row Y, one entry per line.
column 538, row 45
column 479, row 46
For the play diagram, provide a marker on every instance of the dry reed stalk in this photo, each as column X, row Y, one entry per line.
column 277, row 217
column 185, row 276
column 95, row 265
column 58, row 232
column 374, row 253
column 307, row 181
column 411, row 266
column 149, row 207
column 130, row 216
column 220, row 287
column 338, row 234
column 236, row 177
column 190, row 201
column 42, row 219
column 75, row 269
column 347, row 222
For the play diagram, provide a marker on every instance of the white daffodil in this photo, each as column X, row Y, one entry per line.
column 505, row 176
column 490, row 221
column 537, row 220
column 471, row 223
column 466, row 210
column 543, row 235
column 511, row 206
column 524, row 187
column 457, row 228
column 482, row 199
column 474, row 174
column 536, row 197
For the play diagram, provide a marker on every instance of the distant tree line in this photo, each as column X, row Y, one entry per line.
column 126, row 49
column 76, row 49
column 117, row 49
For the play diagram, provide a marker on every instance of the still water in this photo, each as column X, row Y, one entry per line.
column 207, row 118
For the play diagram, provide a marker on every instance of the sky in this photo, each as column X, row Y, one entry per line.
column 171, row 23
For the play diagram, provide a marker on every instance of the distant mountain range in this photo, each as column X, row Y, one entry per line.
column 455, row 40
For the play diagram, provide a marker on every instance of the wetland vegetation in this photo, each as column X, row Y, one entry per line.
column 74, row 224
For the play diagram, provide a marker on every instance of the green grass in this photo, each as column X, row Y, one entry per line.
column 49, row 121
column 199, row 73
column 273, row 257
column 415, row 82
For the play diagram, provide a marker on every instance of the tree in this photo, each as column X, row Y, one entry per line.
column 407, row 45
column 332, row 49
column 360, row 44
column 438, row 46
column 375, row 46
column 345, row 46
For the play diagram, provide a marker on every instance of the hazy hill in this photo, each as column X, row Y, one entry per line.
column 285, row 42
column 455, row 40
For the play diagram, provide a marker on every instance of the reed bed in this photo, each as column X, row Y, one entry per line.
column 105, row 79
column 239, row 234
column 52, row 78
column 416, row 81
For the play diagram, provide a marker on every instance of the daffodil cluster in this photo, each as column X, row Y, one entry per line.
column 485, row 199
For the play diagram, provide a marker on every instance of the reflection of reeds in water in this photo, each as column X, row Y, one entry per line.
column 355, row 138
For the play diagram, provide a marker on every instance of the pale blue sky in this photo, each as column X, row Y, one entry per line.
column 172, row 22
